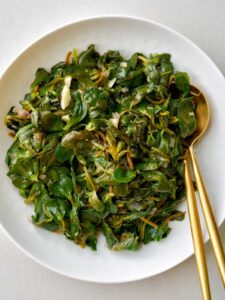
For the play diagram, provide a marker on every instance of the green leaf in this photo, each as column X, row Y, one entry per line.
column 15, row 152
column 109, row 206
column 41, row 77
column 63, row 154
column 60, row 182
column 121, row 190
column 133, row 79
column 160, row 183
column 36, row 190
column 25, row 135
column 111, row 57
column 182, row 82
column 88, row 58
column 95, row 202
column 56, row 209
column 96, row 124
column 49, row 211
column 186, row 116
column 50, row 142
column 109, row 235
column 147, row 166
column 155, row 234
column 24, row 172
column 74, row 221
column 90, row 231
column 62, row 188
column 128, row 241
column 51, row 122
column 92, row 215
column 97, row 100
column 71, row 139
column 35, row 116
column 79, row 111
column 121, row 175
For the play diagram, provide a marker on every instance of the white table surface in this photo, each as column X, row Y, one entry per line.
column 21, row 23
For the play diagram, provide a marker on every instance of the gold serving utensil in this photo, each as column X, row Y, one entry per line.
column 203, row 118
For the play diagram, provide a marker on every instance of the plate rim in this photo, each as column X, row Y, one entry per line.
column 33, row 44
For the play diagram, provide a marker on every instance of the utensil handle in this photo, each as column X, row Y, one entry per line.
column 209, row 217
column 196, row 233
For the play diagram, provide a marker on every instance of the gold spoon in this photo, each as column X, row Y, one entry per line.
column 203, row 118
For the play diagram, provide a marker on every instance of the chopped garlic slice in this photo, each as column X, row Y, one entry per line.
column 111, row 82
column 66, row 118
column 124, row 89
column 115, row 119
column 172, row 142
column 123, row 64
column 138, row 96
column 65, row 95
column 68, row 80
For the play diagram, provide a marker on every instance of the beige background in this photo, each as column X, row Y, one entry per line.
column 21, row 23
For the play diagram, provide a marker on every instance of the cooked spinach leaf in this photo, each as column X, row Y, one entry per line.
column 99, row 145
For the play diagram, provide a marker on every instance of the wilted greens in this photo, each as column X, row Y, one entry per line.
column 98, row 147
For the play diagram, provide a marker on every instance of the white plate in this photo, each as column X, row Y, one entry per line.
column 128, row 35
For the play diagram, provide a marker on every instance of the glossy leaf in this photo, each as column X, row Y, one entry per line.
column 79, row 111
column 128, row 242
column 60, row 182
column 88, row 58
column 182, row 82
column 51, row 122
column 41, row 77
column 155, row 234
column 123, row 176
column 186, row 116
column 95, row 202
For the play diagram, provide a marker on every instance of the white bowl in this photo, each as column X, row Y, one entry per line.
column 127, row 35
